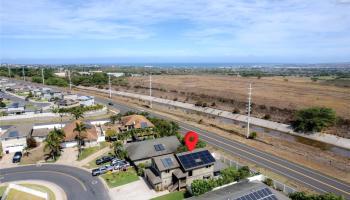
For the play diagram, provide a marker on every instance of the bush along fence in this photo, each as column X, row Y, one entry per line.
column 268, row 181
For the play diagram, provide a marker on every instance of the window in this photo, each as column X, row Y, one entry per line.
column 190, row 173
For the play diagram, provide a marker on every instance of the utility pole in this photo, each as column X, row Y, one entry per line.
column 42, row 75
column 109, row 82
column 70, row 81
column 249, row 107
column 150, row 89
column 9, row 71
column 24, row 76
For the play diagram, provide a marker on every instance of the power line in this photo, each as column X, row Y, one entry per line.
column 70, row 81
column 150, row 89
column 249, row 108
column 109, row 83
column 42, row 75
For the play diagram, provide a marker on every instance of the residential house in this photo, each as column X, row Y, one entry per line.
column 86, row 100
column 144, row 151
column 40, row 131
column 134, row 122
column 70, row 96
column 92, row 136
column 244, row 190
column 15, row 109
column 67, row 103
column 177, row 171
column 15, row 138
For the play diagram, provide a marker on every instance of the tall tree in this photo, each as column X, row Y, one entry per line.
column 53, row 143
column 81, row 129
column 119, row 150
column 77, row 113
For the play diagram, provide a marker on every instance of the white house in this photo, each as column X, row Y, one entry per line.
column 15, row 138
column 116, row 74
column 86, row 100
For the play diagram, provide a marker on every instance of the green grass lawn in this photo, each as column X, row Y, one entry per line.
column 120, row 178
column 2, row 190
column 86, row 152
column 171, row 196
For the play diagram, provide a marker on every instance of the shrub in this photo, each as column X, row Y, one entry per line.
column 313, row 119
column 213, row 104
column 2, row 104
column 267, row 116
column 31, row 143
column 304, row 196
column 200, row 187
column 252, row 135
column 244, row 172
column 269, row 182
column 236, row 111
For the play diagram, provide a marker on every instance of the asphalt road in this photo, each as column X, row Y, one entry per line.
column 310, row 178
column 77, row 183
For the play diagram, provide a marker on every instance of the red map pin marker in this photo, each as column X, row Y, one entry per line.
column 191, row 139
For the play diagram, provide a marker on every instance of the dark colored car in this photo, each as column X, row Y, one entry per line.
column 104, row 159
column 17, row 157
column 110, row 103
column 102, row 170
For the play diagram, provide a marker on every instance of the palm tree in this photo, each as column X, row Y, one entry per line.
column 119, row 150
column 77, row 112
column 53, row 143
column 115, row 118
column 80, row 128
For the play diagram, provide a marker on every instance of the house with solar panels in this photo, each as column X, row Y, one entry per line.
column 145, row 151
column 176, row 171
column 245, row 190
column 134, row 122
column 15, row 138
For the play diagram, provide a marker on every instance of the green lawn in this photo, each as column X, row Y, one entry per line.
column 91, row 150
column 2, row 190
column 171, row 196
column 120, row 178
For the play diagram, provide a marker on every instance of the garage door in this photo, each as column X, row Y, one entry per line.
column 13, row 149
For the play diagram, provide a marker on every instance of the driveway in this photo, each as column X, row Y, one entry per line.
column 6, row 161
column 136, row 190
column 68, row 156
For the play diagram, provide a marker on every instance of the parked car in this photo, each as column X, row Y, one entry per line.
column 104, row 159
column 102, row 170
column 17, row 157
column 121, row 165
column 115, row 160
column 110, row 103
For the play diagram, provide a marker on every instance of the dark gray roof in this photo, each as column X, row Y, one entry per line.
column 197, row 158
column 152, row 177
column 166, row 162
column 146, row 149
column 238, row 190
column 17, row 131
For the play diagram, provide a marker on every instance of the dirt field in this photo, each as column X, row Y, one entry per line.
column 277, row 97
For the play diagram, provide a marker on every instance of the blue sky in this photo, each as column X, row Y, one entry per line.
column 175, row 31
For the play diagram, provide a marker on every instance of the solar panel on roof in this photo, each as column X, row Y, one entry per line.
column 263, row 194
column 196, row 159
column 159, row 147
column 144, row 125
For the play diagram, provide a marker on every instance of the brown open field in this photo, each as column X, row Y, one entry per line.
column 278, row 97
column 271, row 91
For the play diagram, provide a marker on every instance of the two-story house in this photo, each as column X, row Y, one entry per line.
column 180, row 170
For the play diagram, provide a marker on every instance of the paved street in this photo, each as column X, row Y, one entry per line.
column 77, row 183
column 308, row 177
